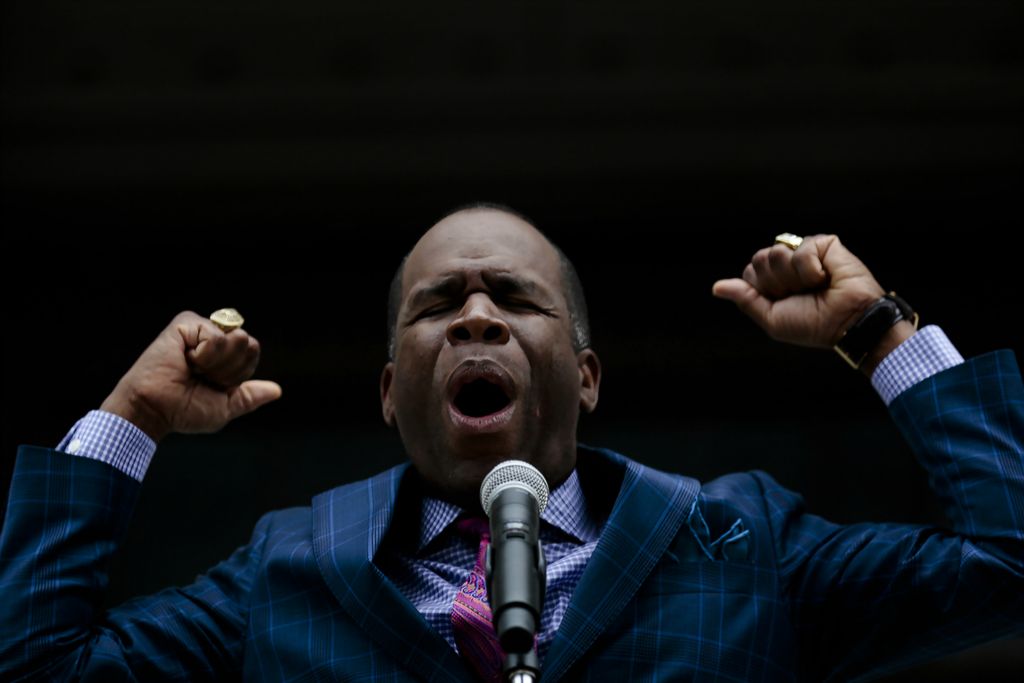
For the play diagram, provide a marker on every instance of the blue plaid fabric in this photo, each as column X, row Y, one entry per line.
column 730, row 580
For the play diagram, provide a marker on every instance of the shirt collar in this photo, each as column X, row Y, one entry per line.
column 566, row 511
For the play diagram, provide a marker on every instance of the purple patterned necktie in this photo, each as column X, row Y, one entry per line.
column 471, row 613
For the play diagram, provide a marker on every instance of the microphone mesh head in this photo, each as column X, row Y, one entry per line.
column 513, row 474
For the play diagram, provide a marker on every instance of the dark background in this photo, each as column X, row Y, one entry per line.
column 281, row 157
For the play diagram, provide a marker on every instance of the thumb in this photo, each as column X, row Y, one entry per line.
column 248, row 396
column 745, row 296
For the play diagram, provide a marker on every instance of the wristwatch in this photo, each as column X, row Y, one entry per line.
column 865, row 334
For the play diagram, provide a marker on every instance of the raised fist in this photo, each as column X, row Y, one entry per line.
column 193, row 378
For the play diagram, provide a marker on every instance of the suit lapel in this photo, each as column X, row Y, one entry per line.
column 349, row 523
column 650, row 509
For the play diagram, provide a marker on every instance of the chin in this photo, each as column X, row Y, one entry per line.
column 483, row 451
column 468, row 473
column 455, row 473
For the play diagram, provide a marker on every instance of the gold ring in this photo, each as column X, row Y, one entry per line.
column 789, row 239
column 227, row 319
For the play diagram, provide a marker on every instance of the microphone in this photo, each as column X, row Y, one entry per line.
column 513, row 495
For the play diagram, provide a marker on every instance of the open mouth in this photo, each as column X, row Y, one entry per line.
column 480, row 398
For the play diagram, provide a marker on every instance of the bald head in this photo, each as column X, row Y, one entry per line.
column 459, row 224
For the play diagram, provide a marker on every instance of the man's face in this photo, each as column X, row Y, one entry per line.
column 484, row 367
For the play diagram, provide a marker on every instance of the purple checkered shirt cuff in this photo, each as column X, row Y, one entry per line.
column 926, row 353
column 111, row 439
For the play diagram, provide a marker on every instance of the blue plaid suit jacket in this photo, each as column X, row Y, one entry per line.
column 731, row 580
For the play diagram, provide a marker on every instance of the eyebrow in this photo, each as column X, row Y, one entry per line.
column 510, row 283
column 446, row 285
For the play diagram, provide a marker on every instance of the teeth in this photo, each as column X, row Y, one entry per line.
column 479, row 398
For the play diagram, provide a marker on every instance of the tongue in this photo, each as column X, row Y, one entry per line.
column 480, row 398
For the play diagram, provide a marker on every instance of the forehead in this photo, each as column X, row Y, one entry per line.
column 484, row 240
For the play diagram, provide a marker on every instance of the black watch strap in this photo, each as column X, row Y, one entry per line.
column 865, row 334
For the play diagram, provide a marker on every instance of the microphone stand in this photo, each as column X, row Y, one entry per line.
column 521, row 668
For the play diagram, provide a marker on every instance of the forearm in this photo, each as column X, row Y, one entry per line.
column 966, row 426
column 65, row 519
column 952, row 590
column 869, row 597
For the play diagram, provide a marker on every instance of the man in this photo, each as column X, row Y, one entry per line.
column 650, row 576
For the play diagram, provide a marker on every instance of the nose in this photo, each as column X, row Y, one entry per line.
column 478, row 322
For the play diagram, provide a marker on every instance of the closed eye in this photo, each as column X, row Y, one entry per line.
column 507, row 303
column 528, row 306
column 436, row 310
column 521, row 304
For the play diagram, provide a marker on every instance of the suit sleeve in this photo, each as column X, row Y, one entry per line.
column 869, row 597
column 66, row 517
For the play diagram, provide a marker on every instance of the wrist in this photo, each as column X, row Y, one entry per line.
column 876, row 332
column 130, row 407
column 897, row 334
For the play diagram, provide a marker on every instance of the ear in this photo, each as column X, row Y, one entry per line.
column 590, row 379
column 386, row 405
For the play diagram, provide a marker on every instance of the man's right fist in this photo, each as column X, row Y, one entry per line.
column 192, row 378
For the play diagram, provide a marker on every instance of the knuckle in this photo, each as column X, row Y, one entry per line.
column 243, row 399
column 779, row 255
column 184, row 318
column 236, row 342
column 803, row 260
